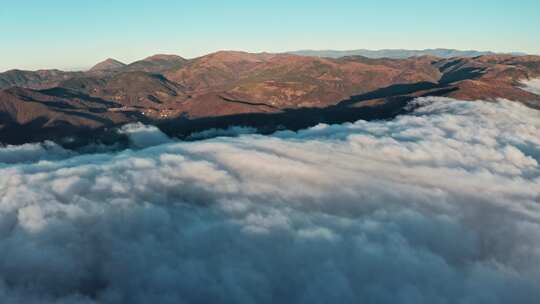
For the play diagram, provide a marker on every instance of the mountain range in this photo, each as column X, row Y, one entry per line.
column 399, row 53
column 265, row 91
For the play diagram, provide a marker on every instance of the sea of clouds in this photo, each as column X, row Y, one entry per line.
column 439, row 206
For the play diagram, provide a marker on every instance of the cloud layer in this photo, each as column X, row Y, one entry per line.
column 440, row 206
column 532, row 85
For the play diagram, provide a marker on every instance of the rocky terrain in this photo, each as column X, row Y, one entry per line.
column 266, row 91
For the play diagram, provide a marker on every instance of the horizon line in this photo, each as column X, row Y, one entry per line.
column 86, row 68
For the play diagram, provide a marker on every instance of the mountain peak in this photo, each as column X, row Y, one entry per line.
column 167, row 57
column 108, row 65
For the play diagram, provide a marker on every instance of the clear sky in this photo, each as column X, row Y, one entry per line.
column 71, row 34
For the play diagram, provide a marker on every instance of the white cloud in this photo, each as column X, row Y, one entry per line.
column 32, row 153
column 531, row 85
column 440, row 206
column 142, row 136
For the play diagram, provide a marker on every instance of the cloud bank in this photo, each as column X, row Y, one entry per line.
column 532, row 85
column 440, row 206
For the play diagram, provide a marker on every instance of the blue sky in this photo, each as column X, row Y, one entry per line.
column 71, row 34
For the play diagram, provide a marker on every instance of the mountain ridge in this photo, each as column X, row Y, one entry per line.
column 263, row 90
column 108, row 64
column 398, row 53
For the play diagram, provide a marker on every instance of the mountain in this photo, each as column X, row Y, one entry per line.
column 278, row 81
column 108, row 65
column 44, row 79
column 217, row 69
column 266, row 91
column 34, row 79
column 395, row 53
column 134, row 90
column 156, row 64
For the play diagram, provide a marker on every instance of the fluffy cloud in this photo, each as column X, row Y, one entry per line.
column 440, row 206
column 32, row 153
column 142, row 136
column 532, row 85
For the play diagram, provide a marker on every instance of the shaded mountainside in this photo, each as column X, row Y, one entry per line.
column 267, row 91
column 35, row 79
column 138, row 89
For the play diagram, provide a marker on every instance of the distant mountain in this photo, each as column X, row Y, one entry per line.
column 156, row 64
column 34, row 79
column 45, row 79
column 108, row 65
column 396, row 54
